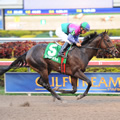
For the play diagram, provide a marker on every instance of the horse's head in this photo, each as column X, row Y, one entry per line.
column 106, row 43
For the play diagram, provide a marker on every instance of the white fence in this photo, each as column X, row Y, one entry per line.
column 41, row 39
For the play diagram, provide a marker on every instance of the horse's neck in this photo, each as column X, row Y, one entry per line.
column 91, row 52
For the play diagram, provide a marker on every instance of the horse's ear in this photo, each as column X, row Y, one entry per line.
column 106, row 32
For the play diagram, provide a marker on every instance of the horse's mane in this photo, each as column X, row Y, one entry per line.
column 89, row 38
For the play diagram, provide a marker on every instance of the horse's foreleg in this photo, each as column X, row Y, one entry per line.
column 74, row 84
column 83, row 77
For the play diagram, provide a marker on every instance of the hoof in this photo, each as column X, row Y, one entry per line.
column 54, row 99
column 57, row 97
column 80, row 97
column 62, row 101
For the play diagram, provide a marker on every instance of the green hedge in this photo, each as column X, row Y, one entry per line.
column 20, row 33
column 16, row 33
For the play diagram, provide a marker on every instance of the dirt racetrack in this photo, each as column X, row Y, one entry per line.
column 43, row 108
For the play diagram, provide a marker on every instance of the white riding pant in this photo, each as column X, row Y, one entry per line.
column 62, row 35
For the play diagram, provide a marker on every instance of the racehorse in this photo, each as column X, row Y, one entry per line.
column 77, row 61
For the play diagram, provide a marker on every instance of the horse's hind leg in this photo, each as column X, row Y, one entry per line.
column 44, row 81
column 44, row 72
column 74, row 84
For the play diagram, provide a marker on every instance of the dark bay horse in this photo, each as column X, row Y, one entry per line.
column 77, row 61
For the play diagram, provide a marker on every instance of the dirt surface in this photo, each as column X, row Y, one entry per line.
column 43, row 108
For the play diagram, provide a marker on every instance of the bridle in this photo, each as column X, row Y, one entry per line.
column 107, row 46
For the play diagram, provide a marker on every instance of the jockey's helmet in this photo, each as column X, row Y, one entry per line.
column 85, row 26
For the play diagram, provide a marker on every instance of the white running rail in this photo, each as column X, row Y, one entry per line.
column 41, row 39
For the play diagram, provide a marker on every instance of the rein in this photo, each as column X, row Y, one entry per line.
column 92, row 48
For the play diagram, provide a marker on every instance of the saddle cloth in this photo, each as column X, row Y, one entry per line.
column 51, row 52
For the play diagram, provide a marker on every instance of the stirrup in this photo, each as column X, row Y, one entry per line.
column 61, row 55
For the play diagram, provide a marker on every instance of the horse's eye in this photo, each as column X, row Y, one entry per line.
column 108, row 40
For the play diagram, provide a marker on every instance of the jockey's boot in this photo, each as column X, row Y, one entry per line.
column 63, row 49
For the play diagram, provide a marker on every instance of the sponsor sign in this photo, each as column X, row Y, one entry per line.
column 27, row 82
column 9, row 12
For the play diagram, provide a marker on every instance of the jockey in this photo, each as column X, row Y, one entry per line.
column 69, row 33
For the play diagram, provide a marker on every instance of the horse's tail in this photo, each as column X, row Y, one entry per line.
column 19, row 62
